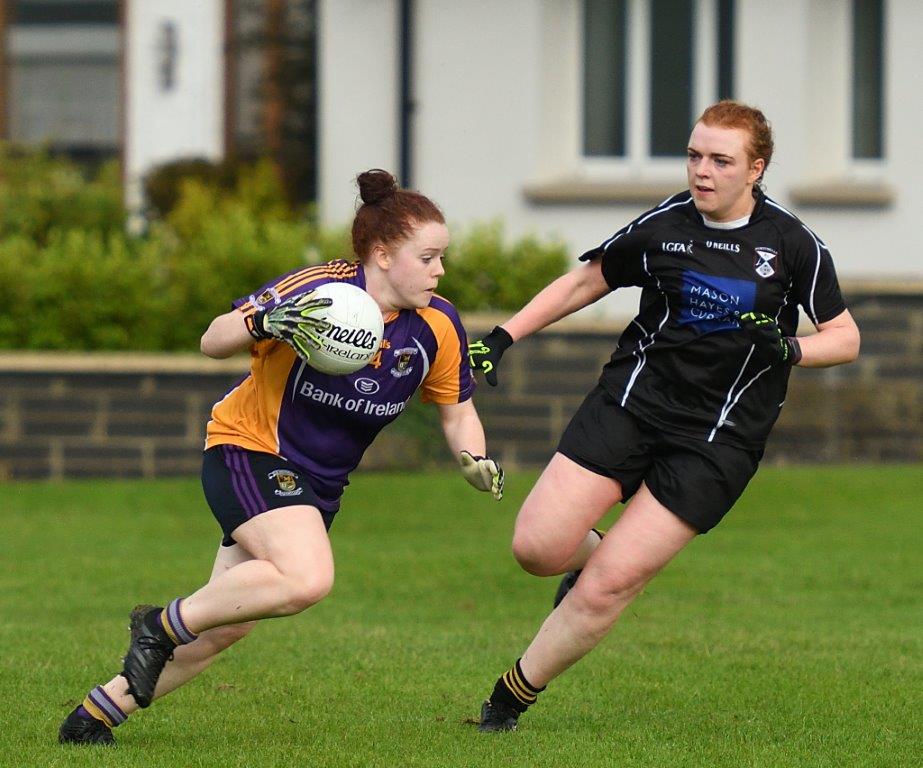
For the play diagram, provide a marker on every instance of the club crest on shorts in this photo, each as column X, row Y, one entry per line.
column 763, row 264
column 402, row 365
column 287, row 482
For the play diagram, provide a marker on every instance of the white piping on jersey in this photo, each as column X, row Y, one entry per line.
column 729, row 406
column 725, row 410
column 294, row 392
column 818, row 244
column 639, row 353
column 631, row 226
column 425, row 358
column 297, row 379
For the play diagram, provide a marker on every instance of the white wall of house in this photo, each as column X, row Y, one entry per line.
column 174, row 99
column 358, row 86
column 498, row 112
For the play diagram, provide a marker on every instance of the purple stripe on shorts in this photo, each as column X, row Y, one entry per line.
column 101, row 699
column 232, row 460
column 176, row 622
column 251, row 480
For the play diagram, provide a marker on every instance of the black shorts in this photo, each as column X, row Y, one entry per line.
column 696, row 480
column 240, row 484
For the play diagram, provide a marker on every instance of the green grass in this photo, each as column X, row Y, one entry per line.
column 790, row 636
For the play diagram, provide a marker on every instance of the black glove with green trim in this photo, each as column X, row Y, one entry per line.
column 767, row 337
column 484, row 355
column 298, row 321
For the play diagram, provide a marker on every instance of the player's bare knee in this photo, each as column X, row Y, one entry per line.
column 306, row 591
column 607, row 593
column 533, row 556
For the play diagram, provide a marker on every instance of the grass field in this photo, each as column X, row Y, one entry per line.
column 790, row 636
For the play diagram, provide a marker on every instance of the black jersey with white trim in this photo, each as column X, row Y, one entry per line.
column 684, row 364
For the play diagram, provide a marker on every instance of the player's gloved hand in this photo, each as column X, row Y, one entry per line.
column 484, row 355
column 483, row 472
column 768, row 339
column 298, row 321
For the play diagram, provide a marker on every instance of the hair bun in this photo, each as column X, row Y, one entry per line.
column 375, row 185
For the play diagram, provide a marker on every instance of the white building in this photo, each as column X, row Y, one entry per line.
column 563, row 118
column 556, row 115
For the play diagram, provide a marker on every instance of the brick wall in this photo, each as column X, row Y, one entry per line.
column 102, row 415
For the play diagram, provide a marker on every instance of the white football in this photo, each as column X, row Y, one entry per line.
column 356, row 329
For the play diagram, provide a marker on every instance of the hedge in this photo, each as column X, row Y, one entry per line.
column 73, row 277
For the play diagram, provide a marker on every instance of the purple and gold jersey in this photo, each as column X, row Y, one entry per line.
column 323, row 423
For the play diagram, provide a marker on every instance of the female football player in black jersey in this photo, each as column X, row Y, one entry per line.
column 678, row 420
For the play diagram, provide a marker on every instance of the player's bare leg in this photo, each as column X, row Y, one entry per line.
column 188, row 661
column 553, row 531
column 643, row 540
column 281, row 565
column 291, row 569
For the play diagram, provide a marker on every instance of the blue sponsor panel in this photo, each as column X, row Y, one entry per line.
column 712, row 303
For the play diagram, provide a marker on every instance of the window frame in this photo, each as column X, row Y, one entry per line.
column 638, row 159
column 866, row 167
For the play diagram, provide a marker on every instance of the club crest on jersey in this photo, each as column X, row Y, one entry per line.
column 763, row 264
column 270, row 294
column 287, row 482
column 402, row 365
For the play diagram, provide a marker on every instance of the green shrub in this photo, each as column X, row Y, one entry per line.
column 162, row 186
column 484, row 273
column 39, row 193
column 71, row 277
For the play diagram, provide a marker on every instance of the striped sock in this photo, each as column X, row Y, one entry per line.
column 97, row 704
column 171, row 621
column 513, row 689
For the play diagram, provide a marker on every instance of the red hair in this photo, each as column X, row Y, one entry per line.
column 388, row 213
column 734, row 114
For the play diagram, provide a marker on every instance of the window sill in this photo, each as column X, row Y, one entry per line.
column 845, row 193
column 576, row 191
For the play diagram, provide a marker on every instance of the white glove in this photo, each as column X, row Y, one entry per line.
column 483, row 472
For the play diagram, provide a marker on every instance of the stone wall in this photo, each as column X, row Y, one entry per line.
column 102, row 415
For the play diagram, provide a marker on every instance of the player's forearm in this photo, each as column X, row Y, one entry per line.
column 835, row 343
column 575, row 290
column 462, row 428
column 226, row 336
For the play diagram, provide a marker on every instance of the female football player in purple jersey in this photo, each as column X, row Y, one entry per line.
column 282, row 442
column 677, row 423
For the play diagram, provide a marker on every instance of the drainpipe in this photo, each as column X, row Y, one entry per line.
column 406, row 103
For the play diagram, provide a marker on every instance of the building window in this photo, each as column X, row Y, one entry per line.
column 671, row 75
column 725, row 49
column 272, row 88
column 649, row 66
column 64, row 75
column 868, row 79
column 604, row 94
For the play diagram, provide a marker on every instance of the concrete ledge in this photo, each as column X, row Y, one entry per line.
column 55, row 361
column 576, row 191
column 843, row 193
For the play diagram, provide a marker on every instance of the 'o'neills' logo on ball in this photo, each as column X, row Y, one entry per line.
column 356, row 337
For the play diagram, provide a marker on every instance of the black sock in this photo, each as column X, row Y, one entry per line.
column 514, row 690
